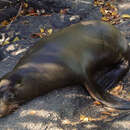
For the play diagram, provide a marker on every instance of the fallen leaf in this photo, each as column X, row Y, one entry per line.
column 16, row 39
column 117, row 90
column 25, row 5
column 35, row 35
column 5, row 42
column 115, row 114
column 103, row 11
column 114, row 13
column 50, row 31
column 126, row 16
column 42, row 30
column 4, row 23
column 102, row 117
column 112, row 110
column 66, row 122
column 63, row 11
column 83, row 118
column 97, row 103
column 106, row 113
column 32, row 12
column 109, row 12
column 98, row 2
column 105, row 19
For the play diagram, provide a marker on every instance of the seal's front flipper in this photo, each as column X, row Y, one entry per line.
column 98, row 93
column 113, row 76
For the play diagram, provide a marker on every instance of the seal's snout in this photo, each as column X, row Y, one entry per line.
column 3, row 109
column 6, row 106
column 7, row 98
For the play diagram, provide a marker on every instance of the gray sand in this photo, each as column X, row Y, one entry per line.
column 60, row 109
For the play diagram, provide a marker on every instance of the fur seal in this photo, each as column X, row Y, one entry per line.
column 74, row 55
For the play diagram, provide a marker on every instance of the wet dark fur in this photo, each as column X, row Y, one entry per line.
column 72, row 56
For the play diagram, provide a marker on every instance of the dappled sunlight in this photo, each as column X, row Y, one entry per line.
column 77, row 96
column 34, row 112
column 124, row 6
column 122, row 124
column 19, row 52
column 69, row 108
column 56, row 110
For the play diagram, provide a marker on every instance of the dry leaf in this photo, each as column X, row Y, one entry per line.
column 98, row 2
column 126, row 16
column 103, row 11
column 63, row 11
column 31, row 12
column 50, row 31
column 116, row 90
column 109, row 12
column 111, row 110
column 105, row 19
column 66, row 122
column 42, row 30
column 96, row 103
column 4, row 23
column 5, row 42
column 26, row 5
column 38, row 35
column 113, row 8
column 114, row 13
column 115, row 114
column 35, row 35
column 106, row 113
column 102, row 117
column 83, row 118
column 16, row 39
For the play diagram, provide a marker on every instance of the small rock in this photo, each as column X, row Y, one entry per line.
column 75, row 18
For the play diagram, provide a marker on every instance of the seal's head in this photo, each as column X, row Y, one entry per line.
column 7, row 98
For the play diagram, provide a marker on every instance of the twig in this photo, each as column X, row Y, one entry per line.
column 18, row 14
column 6, row 1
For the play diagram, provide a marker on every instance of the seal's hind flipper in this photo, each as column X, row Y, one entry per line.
column 113, row 76
column 97, row 92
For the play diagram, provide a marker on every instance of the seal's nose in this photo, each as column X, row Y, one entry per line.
column 3, row 109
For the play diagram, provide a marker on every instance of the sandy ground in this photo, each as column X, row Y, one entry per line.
column 60, row 109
